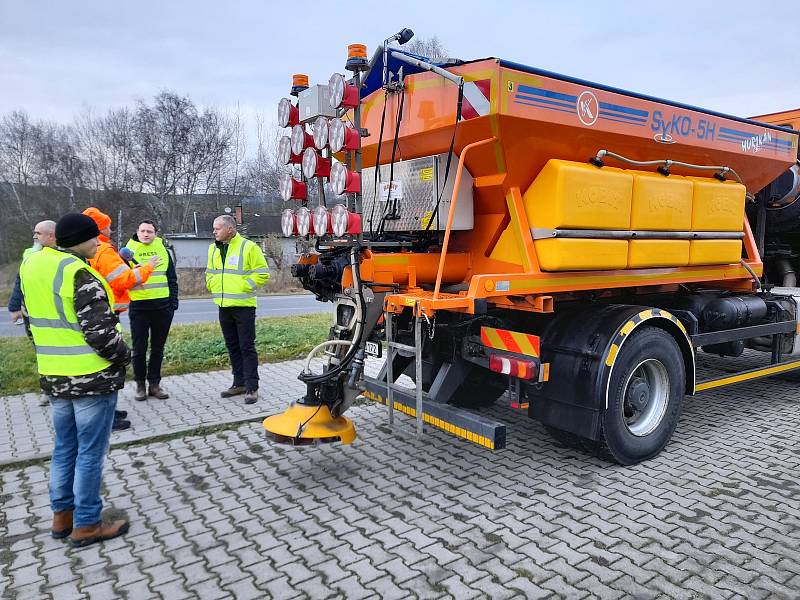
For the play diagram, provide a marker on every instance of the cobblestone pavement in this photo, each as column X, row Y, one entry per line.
column 716, row 515
column 26, row 430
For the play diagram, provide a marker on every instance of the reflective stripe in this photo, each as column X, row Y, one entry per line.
column 150, row 286
column 58, row 280
column 253, row 271
column 138, row 275
column 240, row 266
column 116, row 273
column 64, row 350
column 121, row 306
column 234, row 296
column 251, row 282
column 53, row 323
column 214, row 271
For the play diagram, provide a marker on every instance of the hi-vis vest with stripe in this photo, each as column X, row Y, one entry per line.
column 157, row 286
column 48, row 284
column 234, row 283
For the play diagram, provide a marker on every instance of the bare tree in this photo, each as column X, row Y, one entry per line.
column 431, row 47
column 262, row 173
column 18, row 139
column 105, row 146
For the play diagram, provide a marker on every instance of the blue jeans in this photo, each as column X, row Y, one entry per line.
column 83, row 429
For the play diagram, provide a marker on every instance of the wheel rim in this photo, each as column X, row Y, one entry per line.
column 645, row 397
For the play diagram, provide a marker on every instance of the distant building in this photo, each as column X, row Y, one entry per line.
column 191, row 248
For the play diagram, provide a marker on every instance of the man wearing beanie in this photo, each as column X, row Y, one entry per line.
column 81, row 357
column 119, row 276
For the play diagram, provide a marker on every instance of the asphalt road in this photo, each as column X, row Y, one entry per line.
column 203, row 310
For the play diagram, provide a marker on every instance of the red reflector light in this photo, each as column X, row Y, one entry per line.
column 513, row 367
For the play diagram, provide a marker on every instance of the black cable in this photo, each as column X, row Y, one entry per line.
column 303, row 425
column 391, row 165
column 435, row 213
column 348, row 357
column 377, row 166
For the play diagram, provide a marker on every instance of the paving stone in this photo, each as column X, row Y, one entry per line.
column 229, row 515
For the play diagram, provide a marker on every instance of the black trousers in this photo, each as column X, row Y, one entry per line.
column 149, row 326
column 238, row 324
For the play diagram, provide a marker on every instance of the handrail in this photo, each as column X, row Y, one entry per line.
column 451, row 214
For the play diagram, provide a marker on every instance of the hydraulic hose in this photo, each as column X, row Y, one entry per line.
column 757, row 281
column 355, row 342
column 318, row 347
column 666, row 163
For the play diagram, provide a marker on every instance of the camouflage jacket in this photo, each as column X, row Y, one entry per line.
column 99, row 326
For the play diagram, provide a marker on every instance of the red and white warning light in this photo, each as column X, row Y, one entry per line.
column 285, row 154
column 314, row 165
column 300, row 139
column 291, row 189
column 288, row 223
column 341, row 137
column 343, row 221
column 342, row 94
column 344, row 181
column 319, row 132
column 321, row 221
column 288, row 113
column 305, row 148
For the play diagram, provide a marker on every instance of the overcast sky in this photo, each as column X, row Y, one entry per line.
column 58, row 57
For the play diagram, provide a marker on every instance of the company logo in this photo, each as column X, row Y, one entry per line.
column 588, row 108
column 756, row 142
column 664, row 138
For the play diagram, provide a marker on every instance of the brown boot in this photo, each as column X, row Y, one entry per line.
column 62, row 524
column 141, row 392
column 156, row 391
column 234, row 390
column 83, row 536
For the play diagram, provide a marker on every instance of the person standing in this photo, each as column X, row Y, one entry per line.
column 81, row 358
column 236, row 267
column 44, row 236
column 119, row 276
column 152, row 307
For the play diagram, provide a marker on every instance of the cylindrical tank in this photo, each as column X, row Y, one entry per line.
column 733, row 311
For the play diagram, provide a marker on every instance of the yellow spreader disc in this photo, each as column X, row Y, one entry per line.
column 301, row 425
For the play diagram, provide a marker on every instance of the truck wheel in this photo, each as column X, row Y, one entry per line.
column 481, row 389
column 645, row 397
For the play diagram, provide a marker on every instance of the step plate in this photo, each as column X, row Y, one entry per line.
column 458, row 421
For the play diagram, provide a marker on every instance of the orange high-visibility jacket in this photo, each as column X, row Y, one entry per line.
column 118, row 274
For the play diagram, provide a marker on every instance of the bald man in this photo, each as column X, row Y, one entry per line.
column 44, row 235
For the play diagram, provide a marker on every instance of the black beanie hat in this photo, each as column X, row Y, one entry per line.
column 75, row 228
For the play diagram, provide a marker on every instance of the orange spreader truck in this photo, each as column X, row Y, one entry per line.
column 490, row 227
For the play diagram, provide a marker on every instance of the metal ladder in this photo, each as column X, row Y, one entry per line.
column 391, row 347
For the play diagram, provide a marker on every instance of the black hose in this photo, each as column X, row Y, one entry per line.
column 435, row 213
column 328, row 375
column 377, row 166
column 391, row 164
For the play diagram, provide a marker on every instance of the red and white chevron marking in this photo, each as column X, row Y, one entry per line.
column 477, row 99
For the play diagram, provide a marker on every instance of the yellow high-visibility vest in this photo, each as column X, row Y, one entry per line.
column 234, row 282
column 48, row 285
column 156, row 286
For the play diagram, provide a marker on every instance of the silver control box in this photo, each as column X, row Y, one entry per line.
column 415, row 187
column 314, row 102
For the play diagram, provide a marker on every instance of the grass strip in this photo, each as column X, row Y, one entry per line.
column 191, row 348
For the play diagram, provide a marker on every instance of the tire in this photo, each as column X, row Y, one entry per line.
column 645, row 398
column 481, row 389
